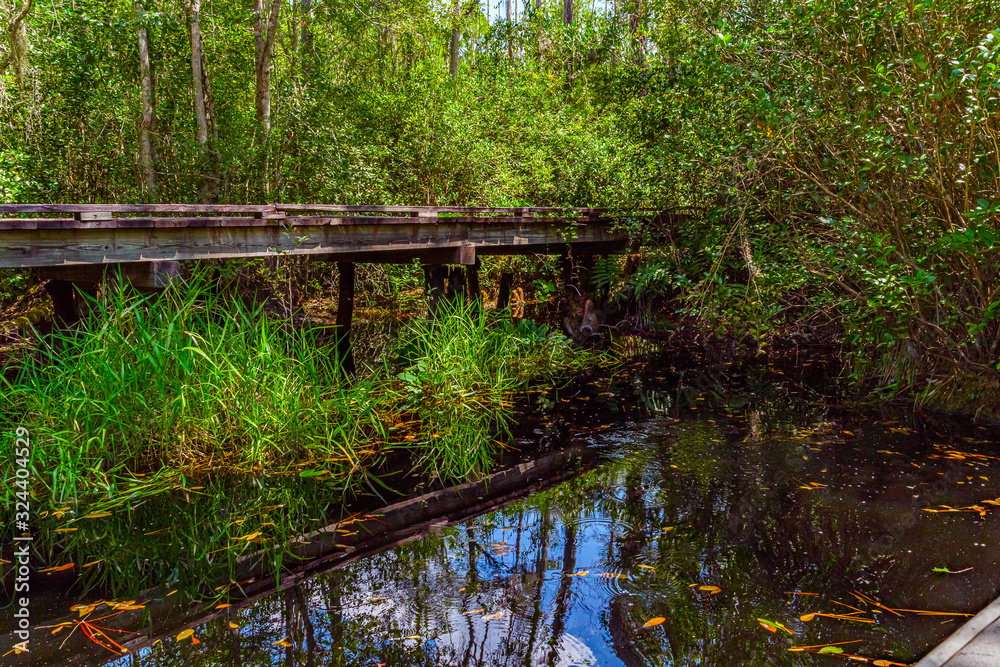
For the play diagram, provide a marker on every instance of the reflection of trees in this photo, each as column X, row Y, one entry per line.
column 730, row 492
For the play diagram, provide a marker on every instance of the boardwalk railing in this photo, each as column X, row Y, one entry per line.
column 39, row 235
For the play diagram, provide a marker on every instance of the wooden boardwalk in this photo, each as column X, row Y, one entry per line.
column 47, row 235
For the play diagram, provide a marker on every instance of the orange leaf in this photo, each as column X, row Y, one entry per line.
column 58, row 568
column 653, row 622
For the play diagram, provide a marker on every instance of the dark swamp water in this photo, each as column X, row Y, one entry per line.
column 659, row 482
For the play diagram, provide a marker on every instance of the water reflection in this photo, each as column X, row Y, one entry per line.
column 757, row 500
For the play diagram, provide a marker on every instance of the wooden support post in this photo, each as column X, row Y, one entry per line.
column 345, row 316
column 472, row 275
column 456, row 284
column 564, row 267
column 434, row 285
column 63, row 302
column 503, row 297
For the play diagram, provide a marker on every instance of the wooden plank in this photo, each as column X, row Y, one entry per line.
column 8, row 209
column 25, row 248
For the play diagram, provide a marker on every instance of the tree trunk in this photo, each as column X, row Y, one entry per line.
column 17, row 44
column 510, row 36
column 638, row 34
column 146, row 124
column 197, row 74
column 453, row 49
column 567, row 12
column 265, row 28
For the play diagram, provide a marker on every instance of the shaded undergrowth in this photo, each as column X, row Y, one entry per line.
column 172, row 436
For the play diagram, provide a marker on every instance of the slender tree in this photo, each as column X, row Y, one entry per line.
column 148, row 120
column 17, row 43
column 265, row 28
column 198, row 73
column 456, row 34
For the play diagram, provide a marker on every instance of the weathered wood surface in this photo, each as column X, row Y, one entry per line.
column 361, row 233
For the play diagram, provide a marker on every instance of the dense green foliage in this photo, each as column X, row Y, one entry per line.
column 845, row 158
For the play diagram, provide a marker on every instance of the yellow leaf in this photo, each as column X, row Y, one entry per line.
column 412, row 637
column 646, row 567
column 711, row 590
column 58, row 568
column 653, row 622
column 473, row 611
column 807, row 617
column 282, row 642
column 494, row 616
column 233, row 625
column 184, row 634
column 99, row 515
column 248, row 537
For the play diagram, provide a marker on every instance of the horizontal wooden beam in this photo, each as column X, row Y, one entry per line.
column 402, row 240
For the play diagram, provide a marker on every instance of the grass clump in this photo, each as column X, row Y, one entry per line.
column 167, row 430
column 462, row 369
column 193, row 381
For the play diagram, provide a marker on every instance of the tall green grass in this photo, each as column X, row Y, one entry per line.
column 191, row 380
column 462, row 369
column 165, row 430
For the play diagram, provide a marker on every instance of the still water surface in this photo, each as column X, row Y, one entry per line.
column 776, row 504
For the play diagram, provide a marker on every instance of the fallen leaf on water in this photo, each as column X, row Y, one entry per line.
column 581, row 573
column 653, row 622
column 815, row 646
column 379, row 599
column 233, row 625
column 412, row 637
column 613, row 575
column 889, row 663
column 947, row 571
column 773, row 626
column 223, row 606
column 195, row 640
column 831, row 649
column 668, row 528
column 646, row 567
column 473, row 611
column 184, row 634
column 282, row 642
column 805, row 618
column 58, row 568
column 494, row 616
column 711, row 590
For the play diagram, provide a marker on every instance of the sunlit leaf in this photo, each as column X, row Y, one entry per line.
column 233, row 625
column 473, row 611
column 831, row 649
column 773, row 626
column 58, row 568
column 184, row 634
column 807, row 617
column 653, row 622
column 711, row 590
